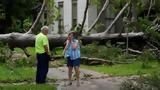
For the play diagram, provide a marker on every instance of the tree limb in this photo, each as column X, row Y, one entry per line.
column 116, row 18
column 85, row 15
column 90, row 61
column 25, row 51
column 150, row 7
column 155, row 48
column 100, row 13
column 96, row 61
column 135, row 51
column 37, row 19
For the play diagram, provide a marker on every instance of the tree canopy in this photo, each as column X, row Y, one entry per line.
column 16, row 13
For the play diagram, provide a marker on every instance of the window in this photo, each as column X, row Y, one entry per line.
column 61, row 21
column 74, row 12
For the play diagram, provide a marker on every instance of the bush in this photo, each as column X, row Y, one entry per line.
column 149, row 29
column 146, row 58
column 21, row 62
column 151, row 82
column 27, row 23
column 96, row 51
column 14, row 59
column 5, row 54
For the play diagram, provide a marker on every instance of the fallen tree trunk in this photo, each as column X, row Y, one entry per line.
column 27, row 40
column 94, row 61
column 98, row 61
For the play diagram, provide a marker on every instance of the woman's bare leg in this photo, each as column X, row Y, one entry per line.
column 70, row 74
column 77, row 71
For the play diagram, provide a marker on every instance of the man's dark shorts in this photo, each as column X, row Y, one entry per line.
column 73, row 63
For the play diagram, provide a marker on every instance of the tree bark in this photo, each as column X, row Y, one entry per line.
column 38, row 18
column 98, row 61
column 94, row 61
column 100, row 13
column 28, row 40
column 134, row 16
column 150, row 7
column 84, row 18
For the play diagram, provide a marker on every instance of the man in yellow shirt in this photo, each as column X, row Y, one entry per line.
column 42, row 54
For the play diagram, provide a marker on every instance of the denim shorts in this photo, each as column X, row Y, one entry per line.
column 73, row 63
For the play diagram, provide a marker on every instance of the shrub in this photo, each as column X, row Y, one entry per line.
column 21, row 62
column 5, row 54
column 27, row 23
column 146, row 58
column 149, row 29
column 96, row 51
column 151, row 82
column 14, row 59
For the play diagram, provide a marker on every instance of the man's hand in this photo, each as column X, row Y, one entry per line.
column 46, row 49
column 63, row 52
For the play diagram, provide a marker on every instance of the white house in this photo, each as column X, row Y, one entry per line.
column 72, row 13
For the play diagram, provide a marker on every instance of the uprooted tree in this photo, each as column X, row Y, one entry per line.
column 23, row 40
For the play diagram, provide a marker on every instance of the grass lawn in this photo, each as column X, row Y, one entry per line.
column 124, row 69
column 19, row 73
column 28, row 87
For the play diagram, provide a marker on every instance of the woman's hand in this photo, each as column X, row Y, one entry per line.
column 74, row 45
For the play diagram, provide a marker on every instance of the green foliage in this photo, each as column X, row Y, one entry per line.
column 16, row 12
column 152, row 34
column 14, row 59
column 140, row 7
column 124, row 69
column 27, row 23
column 147, row 55
column 5, row 53
column 96, row 2
column 53, row 12
column 95, row 51
column 154, row 78
column 22, row 62
column 18, row 73
column 157, row 6
column 99, row 27
column 146, row 26
column 20, row 59
column 57, row 14
column 150, row 82
column 146, row 58
column 129, row 85
column 28, row 87
column 116, row 5
column 51, row 7
column 19, row 8
column 58, row 51
column 57, row 63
